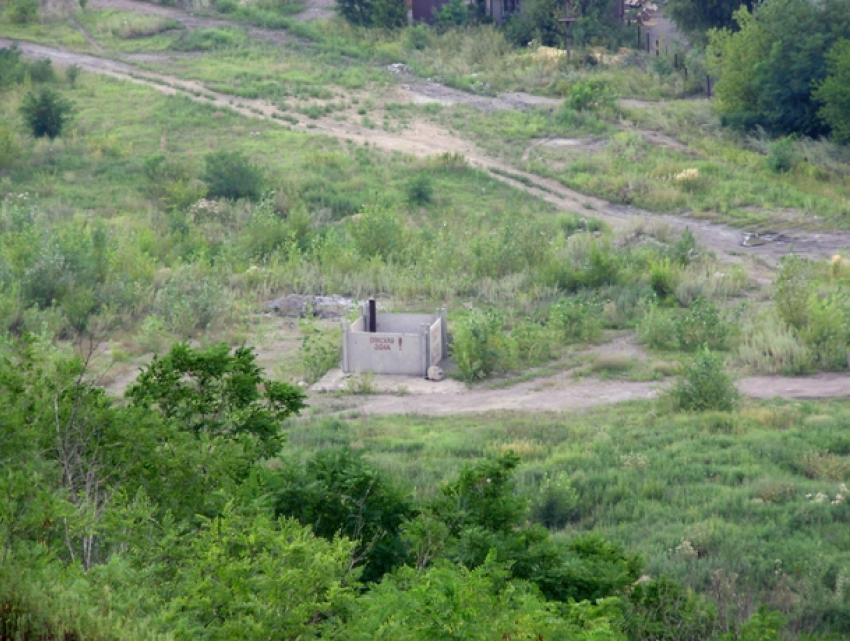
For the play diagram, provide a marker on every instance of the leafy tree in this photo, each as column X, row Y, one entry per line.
column 387, row 14
column 834, row 92
column 769, row 69
column 251, row 577
column 229, row 174
column 47, row 113
column 705, row 386
column 217, row 393
column 338, row 494
column 698, row 16
column 22, row 11
column 480, row 514
column 451, row 602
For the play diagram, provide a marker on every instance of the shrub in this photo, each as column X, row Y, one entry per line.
column 658, row 329
column 420, row 190
column 663, row 277
column 388, row 14
column 320, row 352
column 535, row 343
column 189, row 301
column 702, row 325
column 705, row 386
column 575, row 320
column 781, row 156
column 556, row 504
column 417, row 37
column 71, row 74
column 47, row 113
column 834, row 92
column 10, row 147
column 769, row 346
column 22, row 11
column 792, row 291
column 42, row 70
column 593, row 94
column 453, row 14
column 229, row 174
column 378, row 232
column 480, row 347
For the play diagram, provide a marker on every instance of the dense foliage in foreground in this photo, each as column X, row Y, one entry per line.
column 164, row 517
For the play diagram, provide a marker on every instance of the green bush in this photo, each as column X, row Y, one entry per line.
column 556, row 503
column 575, row 320
column 658, row 329
column 453, row 14
column 71, row 74
column 10, row 147
column 320, row 351
column 22, row 11
column 792, row 291
column 189, row 301
column 593, row 94
column 420, row 190
column 834, row 92
column 480, row 347
column 418, row 37
column 702, row 325
column 47, row 113
column 781, row 156
column 663, row 278
column 231, row 175
column 379, row 232
column 705, row 386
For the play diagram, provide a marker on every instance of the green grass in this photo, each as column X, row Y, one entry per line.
column 739, row 488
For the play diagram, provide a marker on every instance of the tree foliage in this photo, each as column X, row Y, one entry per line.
column 338, row 494
column 386, row 14
column 231, row 175
column 217, row 393
column 46, row 113
column 769, row 69
column 834, row 92
column 696, row 17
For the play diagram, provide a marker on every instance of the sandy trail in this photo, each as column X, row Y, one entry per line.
column 560, row 393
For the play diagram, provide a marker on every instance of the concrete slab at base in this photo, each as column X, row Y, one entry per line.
column 335, row 381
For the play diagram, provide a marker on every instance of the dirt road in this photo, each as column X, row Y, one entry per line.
column 426, row 138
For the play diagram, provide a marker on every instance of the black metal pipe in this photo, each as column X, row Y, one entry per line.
column 373, row 317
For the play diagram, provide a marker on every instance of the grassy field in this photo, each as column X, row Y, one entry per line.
column 745, row 507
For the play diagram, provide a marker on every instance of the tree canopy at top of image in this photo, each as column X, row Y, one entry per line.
column 770, row 69
column 696, row 17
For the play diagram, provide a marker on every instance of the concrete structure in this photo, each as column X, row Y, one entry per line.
column 394, row 343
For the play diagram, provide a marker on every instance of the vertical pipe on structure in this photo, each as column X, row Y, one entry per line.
column 708, row 86
column 647, row 42
column 373, row 316
column 657, row 48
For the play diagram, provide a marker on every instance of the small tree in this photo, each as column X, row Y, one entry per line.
column 47, row 113
column 229, row 174
column 22, row 11
column 834, row 92
column 705, row 386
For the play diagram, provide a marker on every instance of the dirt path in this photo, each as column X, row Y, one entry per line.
column 425, row 138
column 557, row 393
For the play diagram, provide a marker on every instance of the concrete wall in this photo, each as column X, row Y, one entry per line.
column 403, row 344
